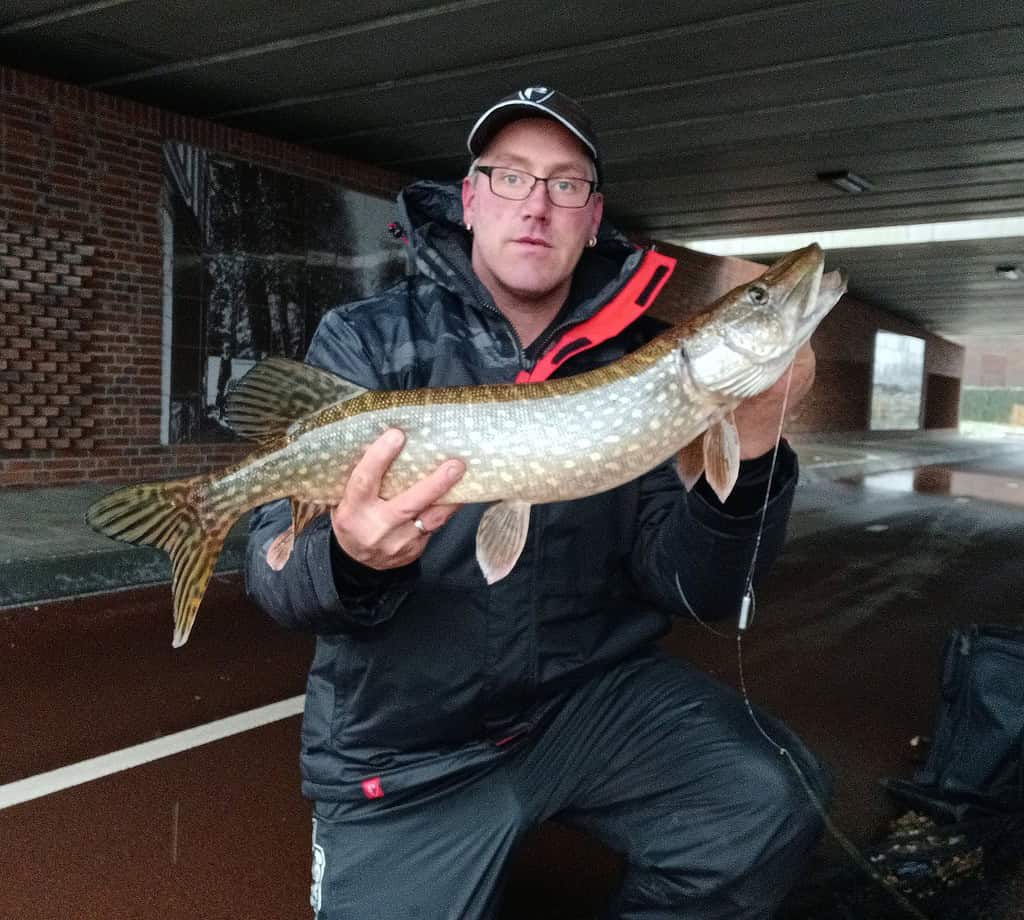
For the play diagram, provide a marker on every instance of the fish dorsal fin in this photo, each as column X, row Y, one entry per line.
column 722, row 456
column 278, row 392
column 500, row 538
column 690, row 462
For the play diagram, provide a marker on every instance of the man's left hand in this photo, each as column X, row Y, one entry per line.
column 758, row 418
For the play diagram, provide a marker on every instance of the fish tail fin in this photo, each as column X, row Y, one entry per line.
column 177, row 518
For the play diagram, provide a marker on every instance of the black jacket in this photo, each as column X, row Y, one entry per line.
column 421, row 670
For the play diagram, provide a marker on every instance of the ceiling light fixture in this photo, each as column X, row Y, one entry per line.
column 1008, row 272
column 846, row 181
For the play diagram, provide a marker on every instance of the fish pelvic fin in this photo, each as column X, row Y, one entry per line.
column 170, row 516
column 278, row 392
column 722, row 456
column 500, row 538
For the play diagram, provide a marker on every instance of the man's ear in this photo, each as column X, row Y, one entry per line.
column 598, row 211
column 468, row 196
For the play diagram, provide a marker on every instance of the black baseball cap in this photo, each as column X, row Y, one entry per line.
column 536, row 102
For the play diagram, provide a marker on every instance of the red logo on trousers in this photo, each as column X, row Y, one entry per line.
column 372, row 788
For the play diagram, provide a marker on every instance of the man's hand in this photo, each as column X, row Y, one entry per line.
column 757, row 419
column 381, row 534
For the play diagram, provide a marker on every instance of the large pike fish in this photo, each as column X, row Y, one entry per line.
column 522, row 444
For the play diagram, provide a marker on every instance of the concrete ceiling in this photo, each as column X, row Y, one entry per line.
column 716, row 115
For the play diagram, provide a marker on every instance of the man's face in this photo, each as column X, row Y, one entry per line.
column 529, row 248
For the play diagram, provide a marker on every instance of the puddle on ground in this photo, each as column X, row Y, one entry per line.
column 943, row 480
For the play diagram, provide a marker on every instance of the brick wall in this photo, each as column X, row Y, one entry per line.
column 81, row 278
column 44, row 340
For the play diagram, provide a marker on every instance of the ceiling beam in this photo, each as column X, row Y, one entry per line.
column 71, row 12
column 288, row 44
column 558, row 55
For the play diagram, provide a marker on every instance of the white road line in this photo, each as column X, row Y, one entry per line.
column 34, row 787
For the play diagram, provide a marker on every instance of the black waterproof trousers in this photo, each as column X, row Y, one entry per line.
column 654, row 758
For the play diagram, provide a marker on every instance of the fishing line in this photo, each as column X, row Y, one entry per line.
column 693, row 613
column 748, row 608
column 748, row 592
column 747, row 603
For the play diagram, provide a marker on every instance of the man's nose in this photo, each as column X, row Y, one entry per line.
column 538, row 199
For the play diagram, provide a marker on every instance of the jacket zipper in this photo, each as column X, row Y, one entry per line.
column 492, row 308
column 553, row 334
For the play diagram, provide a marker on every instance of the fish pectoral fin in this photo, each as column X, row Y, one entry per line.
column 278, row 392
column 500, row 538
column 690, row 462
column 722, row 456
column 280, row 549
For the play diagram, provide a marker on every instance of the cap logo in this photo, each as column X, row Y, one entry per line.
column 536, row 94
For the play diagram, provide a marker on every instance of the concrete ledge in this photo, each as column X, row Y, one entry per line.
column 47, row 578
column 48, row 552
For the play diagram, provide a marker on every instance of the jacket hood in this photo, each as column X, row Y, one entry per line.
column 431, row 213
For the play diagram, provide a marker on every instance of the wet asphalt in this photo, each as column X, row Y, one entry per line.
column 844, row 646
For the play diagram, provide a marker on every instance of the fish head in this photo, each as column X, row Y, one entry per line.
column 751, row 335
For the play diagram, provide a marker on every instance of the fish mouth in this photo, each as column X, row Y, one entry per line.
column 832, row 286
column 805, row 291
column 796, row 278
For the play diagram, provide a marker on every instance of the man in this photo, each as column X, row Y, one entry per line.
column 445, row 717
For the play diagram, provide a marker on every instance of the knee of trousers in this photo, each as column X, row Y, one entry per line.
column 779, row 812
column 765, row 823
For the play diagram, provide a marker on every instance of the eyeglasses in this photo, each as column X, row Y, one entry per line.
column 516, row 185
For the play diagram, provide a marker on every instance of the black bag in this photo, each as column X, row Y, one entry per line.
column 976, row 760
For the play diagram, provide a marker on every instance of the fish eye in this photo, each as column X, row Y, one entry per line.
column 758, row 294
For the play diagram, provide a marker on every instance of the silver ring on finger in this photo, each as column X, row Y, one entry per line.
column 421, row 527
